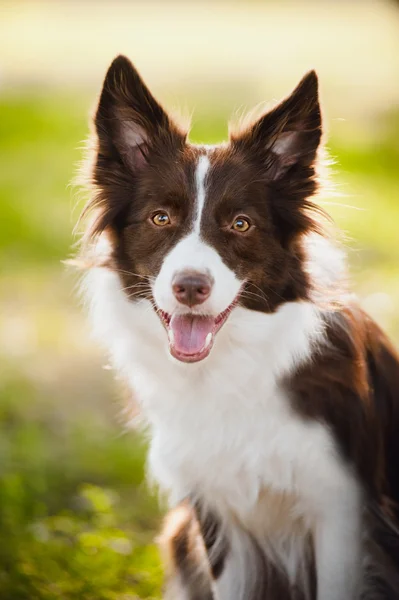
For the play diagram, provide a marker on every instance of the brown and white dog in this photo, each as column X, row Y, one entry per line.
column 272, row 400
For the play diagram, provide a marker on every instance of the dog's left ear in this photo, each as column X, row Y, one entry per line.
column 129, row 121
column 289, row 134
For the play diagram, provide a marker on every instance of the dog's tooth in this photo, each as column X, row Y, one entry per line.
column 171, row 336
column 208, row 340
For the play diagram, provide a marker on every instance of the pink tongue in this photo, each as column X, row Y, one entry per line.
column 189, row 332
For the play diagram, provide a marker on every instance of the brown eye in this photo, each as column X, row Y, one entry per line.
column 241, row 225
column 161, row 219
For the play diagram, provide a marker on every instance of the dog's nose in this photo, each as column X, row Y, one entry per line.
column 191, row 288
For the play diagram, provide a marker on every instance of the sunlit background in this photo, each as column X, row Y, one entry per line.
column 76, row 520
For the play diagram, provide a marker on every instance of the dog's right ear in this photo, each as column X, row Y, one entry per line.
column 129, row 121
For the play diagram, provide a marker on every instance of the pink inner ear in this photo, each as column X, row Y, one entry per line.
column 284, row 146
column 135, row 157
column 284, row 150
column 132, row 134
column 134, row 141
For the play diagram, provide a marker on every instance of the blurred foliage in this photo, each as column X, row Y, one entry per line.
column 39, row 146
column 82, row 553
column 75, row 517
column 76, row 520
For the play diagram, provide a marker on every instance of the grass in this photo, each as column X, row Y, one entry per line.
column 76, row 520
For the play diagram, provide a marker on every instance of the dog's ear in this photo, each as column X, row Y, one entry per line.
column 289, row 134
column 129, row 121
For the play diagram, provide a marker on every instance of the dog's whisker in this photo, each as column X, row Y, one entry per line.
column 133, row 274
column 142, row 286
column 248, row 294
column 141, row 294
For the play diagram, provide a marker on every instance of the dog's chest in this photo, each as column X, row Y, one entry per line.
column 225, row 428
column 231, row 445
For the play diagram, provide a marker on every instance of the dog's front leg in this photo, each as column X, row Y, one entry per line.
column 188, row 570
column 338, row 547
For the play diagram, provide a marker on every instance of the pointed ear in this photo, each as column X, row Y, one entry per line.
column 290, row 133
column 129, row 121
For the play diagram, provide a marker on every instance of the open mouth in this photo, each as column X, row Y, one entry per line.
column 191, row 336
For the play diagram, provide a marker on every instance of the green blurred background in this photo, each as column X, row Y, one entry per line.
column 76, row 519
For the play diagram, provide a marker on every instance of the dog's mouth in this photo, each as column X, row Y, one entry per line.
column 191, row 335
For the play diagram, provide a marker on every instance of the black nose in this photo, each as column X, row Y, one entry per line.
column 191, row 288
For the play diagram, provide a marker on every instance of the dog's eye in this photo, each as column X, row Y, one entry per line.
column 161, row 219
column 241, row 224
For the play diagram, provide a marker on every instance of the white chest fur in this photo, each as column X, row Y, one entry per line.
column 223, row 428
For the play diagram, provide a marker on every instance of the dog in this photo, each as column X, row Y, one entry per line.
column 271, row 398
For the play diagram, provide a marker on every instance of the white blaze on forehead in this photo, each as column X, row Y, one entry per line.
column 200, row 175
column 193, row 254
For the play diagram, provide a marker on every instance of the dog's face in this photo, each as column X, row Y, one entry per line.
column 196, row 229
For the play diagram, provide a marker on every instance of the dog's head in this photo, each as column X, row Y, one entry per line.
column 197, row 229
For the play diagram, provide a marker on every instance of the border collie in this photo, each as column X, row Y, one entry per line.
column 271, row 398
